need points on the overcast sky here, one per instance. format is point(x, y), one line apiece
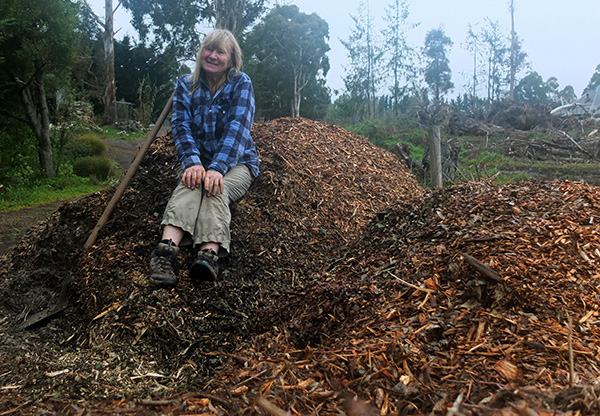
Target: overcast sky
point(561, 38)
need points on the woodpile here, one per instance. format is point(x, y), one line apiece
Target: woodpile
point(548, 142)
point(82, 113)
point(350, 290)
point(557, 146)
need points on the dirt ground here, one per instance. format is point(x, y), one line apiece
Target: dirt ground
point(14, 224)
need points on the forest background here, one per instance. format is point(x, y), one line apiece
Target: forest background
point(63, 73)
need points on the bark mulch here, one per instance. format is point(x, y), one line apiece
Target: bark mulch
point(349, 290)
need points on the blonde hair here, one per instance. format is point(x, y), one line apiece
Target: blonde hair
point(218, 38)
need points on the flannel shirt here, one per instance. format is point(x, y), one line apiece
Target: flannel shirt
point(215, 131)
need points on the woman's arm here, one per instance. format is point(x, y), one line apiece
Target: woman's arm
point(181, 122)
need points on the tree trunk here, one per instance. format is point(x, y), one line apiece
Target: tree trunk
point(513, 51)
point(474, 94)
point(229, 14)
point(435, 156)
point(44, 139)
point(110, 94)
point(300, 81)
point(38, 118)
point(296, 104)
point(296, 93)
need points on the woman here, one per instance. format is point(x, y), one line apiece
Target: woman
point(213, 112)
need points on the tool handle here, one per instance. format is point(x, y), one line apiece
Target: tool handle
point(129, 175)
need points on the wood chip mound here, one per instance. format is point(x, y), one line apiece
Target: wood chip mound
point(349, 290)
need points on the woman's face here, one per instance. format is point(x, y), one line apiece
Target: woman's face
point(216, 60)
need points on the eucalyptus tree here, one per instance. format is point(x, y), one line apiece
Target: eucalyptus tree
point(517, 63)
point(496, 50)
point(503, 58)
point(400, 55)
point(286, 57)
point(552, 91)
point(235, 15)
point(364, 76)
point(38, 41)
point(567, 95)
point(594, 81)
point(107, 32)
point(532, 89)
point(180, 24)
point(437, 70)
point(167, 22)
point(517, 56)
point(513, 51)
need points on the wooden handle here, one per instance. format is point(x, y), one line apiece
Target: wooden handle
point(129, 175)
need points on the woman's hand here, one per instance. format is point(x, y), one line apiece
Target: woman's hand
point(213, 183)
point(193, 176)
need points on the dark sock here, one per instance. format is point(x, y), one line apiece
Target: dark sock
point(169, 242)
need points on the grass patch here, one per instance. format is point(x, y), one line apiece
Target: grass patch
point(386, 133)
point(591, 167)
point(483, 164)
point(44, 191)
point(416, 152)
point(109, 132)
point(24, 190)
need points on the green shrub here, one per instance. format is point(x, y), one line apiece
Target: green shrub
point(416, 152)
point(98, 167)
point(18, 153)
point(417, 137)
point(385, 133)
point(89, 145)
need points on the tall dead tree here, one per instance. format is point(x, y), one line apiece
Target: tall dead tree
point(108, 37)
point(107, 30)
point(513, 51)
point(432, 118)
point(473, 45)
point(435, 154)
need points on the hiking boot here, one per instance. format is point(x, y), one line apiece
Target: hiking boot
point(206, 266)
point(164, 266)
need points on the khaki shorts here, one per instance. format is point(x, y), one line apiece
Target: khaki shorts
point(207, 219)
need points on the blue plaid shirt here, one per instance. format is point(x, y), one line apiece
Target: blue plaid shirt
point(215, 131)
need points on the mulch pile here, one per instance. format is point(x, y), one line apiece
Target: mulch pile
point(350, 290)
